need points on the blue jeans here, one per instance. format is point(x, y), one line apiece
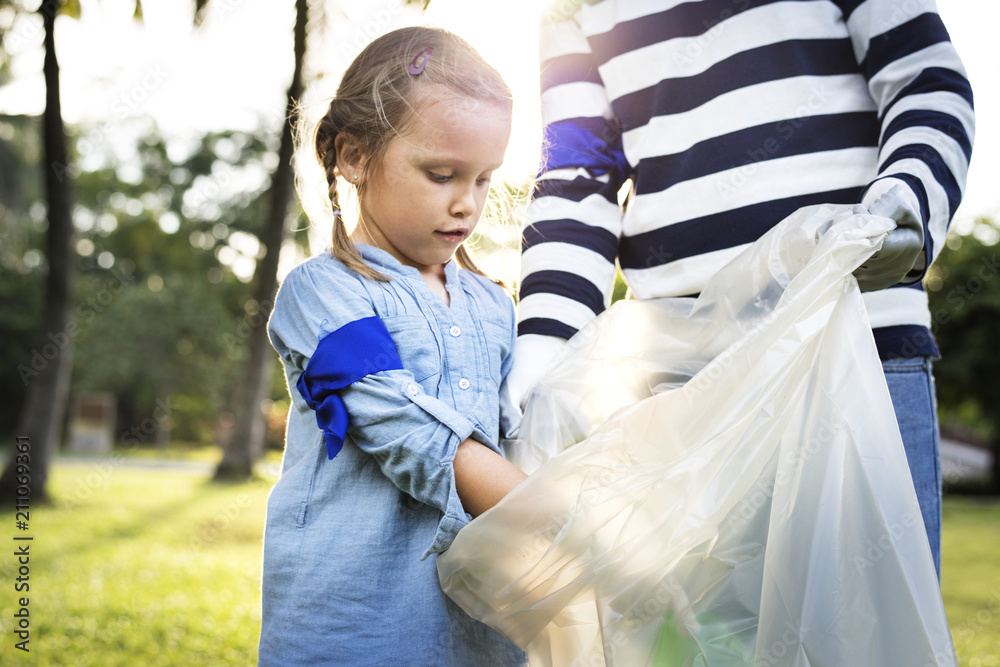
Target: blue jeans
point(911, 386)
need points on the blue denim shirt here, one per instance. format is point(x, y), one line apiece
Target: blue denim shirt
point(349, 573)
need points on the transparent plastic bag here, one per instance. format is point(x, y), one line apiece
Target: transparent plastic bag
point(716, 482)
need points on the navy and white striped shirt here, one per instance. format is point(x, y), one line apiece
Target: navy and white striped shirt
point(727, 116)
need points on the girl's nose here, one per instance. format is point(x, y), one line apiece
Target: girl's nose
point(465, 204)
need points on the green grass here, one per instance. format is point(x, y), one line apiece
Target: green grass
point(144, 567)
point(210, 454)
point(969, 579)
point(136, 567)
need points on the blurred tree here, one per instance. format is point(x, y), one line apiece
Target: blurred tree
point(48, 388)
point(8, 13)
point(964, 291)
point(247, 443)
point(162, 318)
point(163, 314)
point(20, 185)
point(47, 380)
point(156, 346)
point(22, 232)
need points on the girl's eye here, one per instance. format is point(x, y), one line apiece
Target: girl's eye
point(438, 178)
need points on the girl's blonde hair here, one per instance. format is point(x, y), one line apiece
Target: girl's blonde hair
point(374, 104)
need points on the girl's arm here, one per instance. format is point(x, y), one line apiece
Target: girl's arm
point(412, 436)
point(483, 477)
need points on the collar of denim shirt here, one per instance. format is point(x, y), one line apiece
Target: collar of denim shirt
point(385, 263)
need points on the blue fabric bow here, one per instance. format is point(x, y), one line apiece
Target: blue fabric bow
point(342, 358)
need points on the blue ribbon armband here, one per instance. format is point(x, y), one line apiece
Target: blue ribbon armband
point(570, 146)
point(343, 357)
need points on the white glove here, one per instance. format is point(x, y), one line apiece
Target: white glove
point(901, 257)
point(532, 356)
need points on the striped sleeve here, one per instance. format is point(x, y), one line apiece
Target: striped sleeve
point(925, 106)
point(573, 224)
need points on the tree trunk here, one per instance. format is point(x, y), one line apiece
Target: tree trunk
point(44, 406)
point(246, 446)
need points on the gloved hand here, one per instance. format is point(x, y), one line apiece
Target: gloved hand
point(902, 252)
point(532, 356)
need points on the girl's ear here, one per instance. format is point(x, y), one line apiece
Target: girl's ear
point(350, 157)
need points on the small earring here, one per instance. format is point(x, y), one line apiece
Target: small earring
point(355, 177)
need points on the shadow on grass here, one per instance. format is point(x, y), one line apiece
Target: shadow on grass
point(137, 507)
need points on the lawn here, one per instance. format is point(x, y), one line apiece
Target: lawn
point(146, 567)
point(970, 579)
point(140, 567)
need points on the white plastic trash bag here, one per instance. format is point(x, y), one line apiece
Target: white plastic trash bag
point(716, 482)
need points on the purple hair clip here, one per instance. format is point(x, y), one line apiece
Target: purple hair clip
point(418, 67)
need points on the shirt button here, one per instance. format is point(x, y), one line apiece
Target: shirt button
point(412, 389)
point(464, 384)
point(455, 331)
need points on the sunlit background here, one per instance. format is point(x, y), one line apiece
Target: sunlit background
point(120, 75)
point(160, 567)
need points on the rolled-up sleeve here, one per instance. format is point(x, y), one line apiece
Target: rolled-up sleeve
point(413, 437)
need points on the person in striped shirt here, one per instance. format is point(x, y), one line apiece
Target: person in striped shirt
point(722, 117)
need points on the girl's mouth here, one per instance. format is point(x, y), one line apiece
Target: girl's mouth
point(455, 236)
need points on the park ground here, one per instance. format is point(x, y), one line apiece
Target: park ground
point(141, 562)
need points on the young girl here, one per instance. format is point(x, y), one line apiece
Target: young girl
point(394, 357)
